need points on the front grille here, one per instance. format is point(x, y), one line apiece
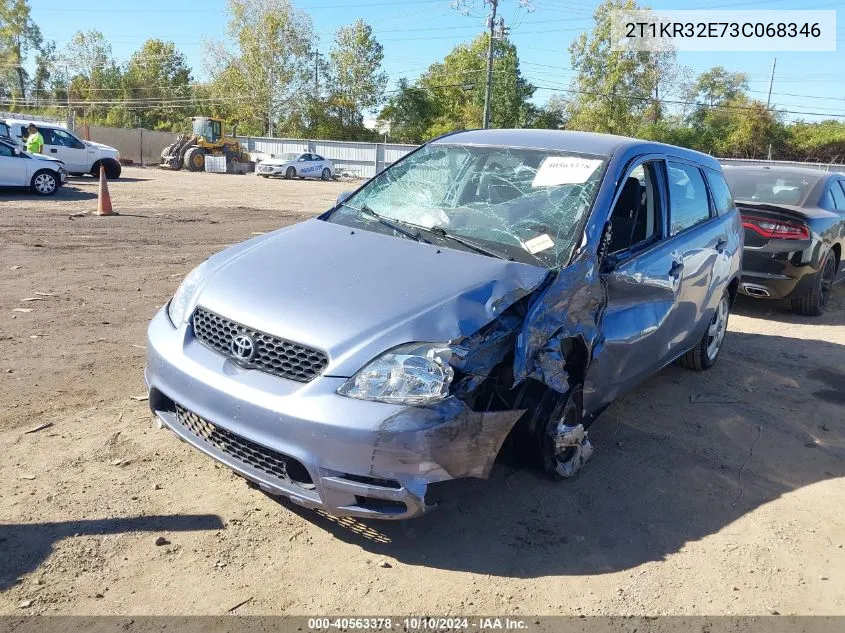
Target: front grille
point(259, 457)
point(273, 355)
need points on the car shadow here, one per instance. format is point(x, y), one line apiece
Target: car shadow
point(66, 192)
point(780, 311)
point(87, 179)
point(23, 547)
point(680, 458)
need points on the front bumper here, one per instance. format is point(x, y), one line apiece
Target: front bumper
point(363, 459)
point(269, 170)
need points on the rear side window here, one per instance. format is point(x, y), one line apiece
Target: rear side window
point(688, 201)
point(723, 199)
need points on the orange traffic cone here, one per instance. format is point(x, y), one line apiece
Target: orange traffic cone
point(103, 198)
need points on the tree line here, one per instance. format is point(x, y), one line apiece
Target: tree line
point(270, 75)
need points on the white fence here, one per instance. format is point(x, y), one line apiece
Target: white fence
point(363, 160)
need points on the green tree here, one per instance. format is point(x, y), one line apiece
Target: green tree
point(19, 36)
point(90, 74)
point(457, 87)
point(817, 142)
point(408, 113)
point(717, 85)
point(356, 78)
point(617, 90)
point(271, 65)
point(159, 73)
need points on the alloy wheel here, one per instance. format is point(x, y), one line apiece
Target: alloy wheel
point(45, 183)
point(718, 327)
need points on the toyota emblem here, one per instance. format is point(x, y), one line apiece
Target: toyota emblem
point(242, 347)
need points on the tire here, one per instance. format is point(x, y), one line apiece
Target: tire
point(195, 159)
point(706, 352)
point(570, 416)
point(326, 175)
point(290, 172)
point(264, 175)
point(113, 169)
point(814, 301)
point(44, 183)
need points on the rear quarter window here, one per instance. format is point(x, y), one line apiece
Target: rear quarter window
point(688, 201)
point(723, 199)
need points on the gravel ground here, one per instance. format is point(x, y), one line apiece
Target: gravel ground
point(714, 493)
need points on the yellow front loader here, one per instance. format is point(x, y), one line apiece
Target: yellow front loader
point(206, 139)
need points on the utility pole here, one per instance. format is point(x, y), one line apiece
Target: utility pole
point(771, 81)
point(316, 72)
point(270, 104)
point(494, 4)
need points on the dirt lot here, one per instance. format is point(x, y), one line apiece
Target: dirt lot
point(714, 493)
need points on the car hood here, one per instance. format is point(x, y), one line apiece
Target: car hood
point(47, 158)
point(355, 294)
point(100, 146)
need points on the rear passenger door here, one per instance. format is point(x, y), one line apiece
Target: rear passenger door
point(702, 243)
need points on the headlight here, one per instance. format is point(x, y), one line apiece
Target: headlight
point(416, 373)
point(178, 307)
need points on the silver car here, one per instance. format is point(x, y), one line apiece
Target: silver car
point(297, 165)
point(493, 289)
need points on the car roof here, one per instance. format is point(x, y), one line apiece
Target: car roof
point(782, 170)
point(570, 141)
point(55, 126)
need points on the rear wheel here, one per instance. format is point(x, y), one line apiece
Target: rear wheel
point(195, 159)
point(290, 173)
point(814, 301)
point(44, 183)
point(706, 352)
point(326, 175)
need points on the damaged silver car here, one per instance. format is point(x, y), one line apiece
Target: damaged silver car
point(493, 289)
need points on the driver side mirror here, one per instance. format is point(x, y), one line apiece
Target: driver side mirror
point(342, 197)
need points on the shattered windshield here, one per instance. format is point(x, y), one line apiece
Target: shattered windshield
point(521, 204)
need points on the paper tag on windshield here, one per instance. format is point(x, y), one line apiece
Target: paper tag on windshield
point(564, 170)
point(540, 243)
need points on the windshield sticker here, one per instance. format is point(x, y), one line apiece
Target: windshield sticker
point(540, 243)
point(564, 170)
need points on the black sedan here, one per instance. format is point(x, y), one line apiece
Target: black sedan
point(794, 221)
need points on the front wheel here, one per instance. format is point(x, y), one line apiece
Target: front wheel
point(706, 352)
point(814, 301)
point(326, 175)
point(290, 173)
point(195, 159)
point(44, 183)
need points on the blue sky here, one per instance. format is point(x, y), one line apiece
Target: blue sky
point(415, 33)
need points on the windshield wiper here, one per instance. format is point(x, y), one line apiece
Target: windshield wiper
point(381, 220)
point(439, 230)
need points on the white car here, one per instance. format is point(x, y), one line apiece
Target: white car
point(295, 164)
point(42, 174)
point(80, 157)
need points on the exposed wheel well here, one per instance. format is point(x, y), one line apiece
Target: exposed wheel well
point(733, 289)
point(837, 252)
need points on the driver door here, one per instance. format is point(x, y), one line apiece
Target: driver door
point(67, 148)
point(641, 279)
point(12, 168)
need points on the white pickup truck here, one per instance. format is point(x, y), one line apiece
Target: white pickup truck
point(80, 157)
